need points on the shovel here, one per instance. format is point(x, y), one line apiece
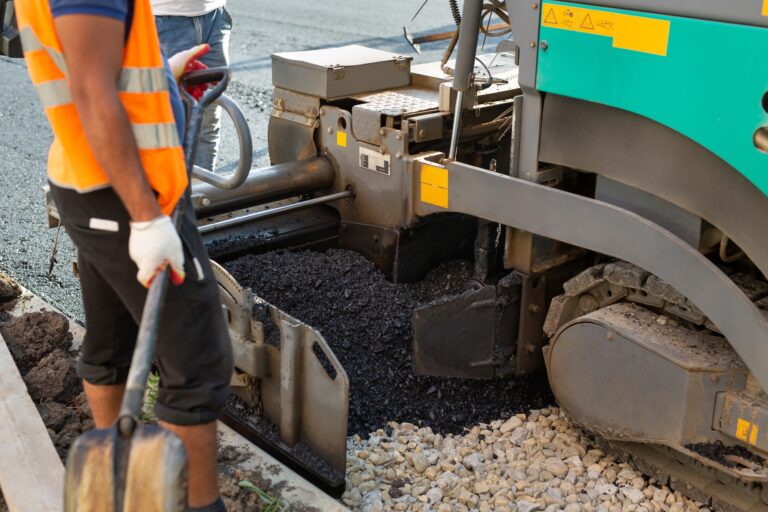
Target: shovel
point(132, 467)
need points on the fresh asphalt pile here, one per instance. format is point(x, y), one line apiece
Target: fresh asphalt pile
point(367, 322)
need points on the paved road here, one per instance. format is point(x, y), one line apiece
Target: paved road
point(261, 28)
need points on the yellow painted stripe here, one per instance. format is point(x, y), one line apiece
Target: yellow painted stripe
point(747, 431)
point(341, 138)
point(765, 7)
point(434, 185)
point(434, 195)
point(436, 176)
point(628, 32)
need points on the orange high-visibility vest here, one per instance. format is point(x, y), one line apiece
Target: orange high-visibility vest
point(143, 90)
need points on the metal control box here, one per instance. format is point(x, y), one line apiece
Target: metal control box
point(337, 72)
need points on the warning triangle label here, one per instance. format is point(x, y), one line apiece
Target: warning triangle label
point(550, 18)
point(587, 23)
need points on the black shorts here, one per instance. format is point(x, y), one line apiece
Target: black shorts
point(193, 352)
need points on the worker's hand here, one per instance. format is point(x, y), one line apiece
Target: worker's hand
point(153, 245)
point(186, 61)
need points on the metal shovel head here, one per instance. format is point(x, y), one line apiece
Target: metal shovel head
point(109, 473)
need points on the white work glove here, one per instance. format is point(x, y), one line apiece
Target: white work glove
point(153, 245)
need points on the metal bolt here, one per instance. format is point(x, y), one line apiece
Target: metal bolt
point(587, 303)
point(544, 46)
point(609, 336)
point(534, 6)
point(534, 308)
point(322, 111)
point(204, 201)
point(398, 136)
point(533, 44)
point(714, 378)
point(422, 133)
point(382, 132)
point(330, 130)
point(530, 348)
point(398, 155)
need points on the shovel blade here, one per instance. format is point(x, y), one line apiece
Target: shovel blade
point(152, 467)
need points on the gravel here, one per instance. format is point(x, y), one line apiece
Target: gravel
point(528, 462)
point(367, 322)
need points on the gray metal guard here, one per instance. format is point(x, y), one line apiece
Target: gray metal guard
point(610, 230)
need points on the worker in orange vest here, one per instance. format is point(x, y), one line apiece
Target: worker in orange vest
point(116, 170)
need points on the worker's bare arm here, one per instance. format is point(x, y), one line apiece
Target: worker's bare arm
point(93, 51)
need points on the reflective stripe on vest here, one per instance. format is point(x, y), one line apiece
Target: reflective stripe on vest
point(143, 90)
point(155, 136)
point(56, 93)
point(31, 43)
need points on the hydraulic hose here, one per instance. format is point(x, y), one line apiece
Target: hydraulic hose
point(455, 11)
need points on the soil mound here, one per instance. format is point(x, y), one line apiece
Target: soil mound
point(40, 345)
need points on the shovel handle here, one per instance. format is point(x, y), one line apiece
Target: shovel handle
point(141, 362)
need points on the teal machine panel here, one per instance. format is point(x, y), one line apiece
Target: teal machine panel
point(707, 80)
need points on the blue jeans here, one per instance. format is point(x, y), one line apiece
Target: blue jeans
point(178, 33)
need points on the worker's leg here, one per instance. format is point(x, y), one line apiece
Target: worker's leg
point(111, 334)
point(179, 33)
point(216, 26)
point(200, 442)
point(193, 352)
point(194, 357)
point(104, 402)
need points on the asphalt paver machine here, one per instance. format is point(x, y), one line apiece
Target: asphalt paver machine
point(606, 169)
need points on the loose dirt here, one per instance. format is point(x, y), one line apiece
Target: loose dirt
point(367, 321)
point(727, 455)
point(40, 345)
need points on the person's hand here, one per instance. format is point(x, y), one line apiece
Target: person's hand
point(153, 245)
point(186, 61)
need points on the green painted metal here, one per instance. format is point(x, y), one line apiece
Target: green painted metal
point(710, 87)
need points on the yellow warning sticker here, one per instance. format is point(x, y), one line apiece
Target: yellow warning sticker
point(746, 431)
point(341, 138)
point(629, 32)
point(434, 185)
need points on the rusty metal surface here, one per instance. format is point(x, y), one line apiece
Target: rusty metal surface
point(90, 483)
point(530, 335)
point(156, 480)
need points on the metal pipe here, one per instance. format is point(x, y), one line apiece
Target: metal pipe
point(291, 335)
point(265, 185)
point(237, 178)
point(236, 221)
point(456, 124)
point(465, 59)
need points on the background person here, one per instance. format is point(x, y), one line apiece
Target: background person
point(182, 24)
